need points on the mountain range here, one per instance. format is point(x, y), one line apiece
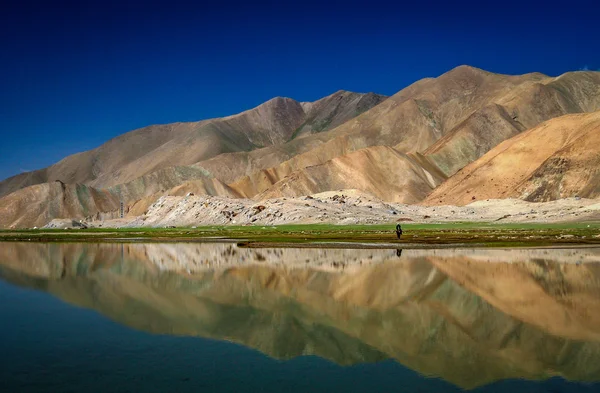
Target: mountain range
point(466, 135)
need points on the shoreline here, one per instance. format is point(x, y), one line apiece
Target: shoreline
point(444, 235)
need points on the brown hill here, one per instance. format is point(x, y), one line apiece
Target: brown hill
point(557, 159)
point(201, 186)
point(110, 157)
point(450, 315)
point(140, 152)
point(381, 171)
point(453, 119)
point(170, 181)
point(37, 205)
point(512, 112)
point(334, 110)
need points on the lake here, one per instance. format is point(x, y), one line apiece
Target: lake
point(214, 317)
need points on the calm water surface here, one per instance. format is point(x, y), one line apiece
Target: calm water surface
point(217, 318)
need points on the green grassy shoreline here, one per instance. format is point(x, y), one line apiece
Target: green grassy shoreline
point(464, 234)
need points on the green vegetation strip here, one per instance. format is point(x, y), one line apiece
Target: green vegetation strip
point(475, 234)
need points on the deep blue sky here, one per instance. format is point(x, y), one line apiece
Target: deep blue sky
point(75, 74)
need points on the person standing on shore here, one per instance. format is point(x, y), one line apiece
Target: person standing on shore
point(398, 231)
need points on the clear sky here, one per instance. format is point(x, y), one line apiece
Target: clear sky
point(75, 74)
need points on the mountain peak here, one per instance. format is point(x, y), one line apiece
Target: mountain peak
point(467, 70)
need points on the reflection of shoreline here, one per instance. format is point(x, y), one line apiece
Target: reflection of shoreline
point(437, 313)
point(197, 257)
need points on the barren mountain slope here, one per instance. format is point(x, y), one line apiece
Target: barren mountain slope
point(198, 186)
point(108, 158)
point(557, 159)
point(381, 171)
point(402, 120)
point(163, 180)
point(334, 110)
point(439, 320)
point(148, 149)
point(39, 204)
point(467, 111)
point(521, 108)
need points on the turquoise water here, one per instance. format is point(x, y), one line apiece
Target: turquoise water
point(103, 318)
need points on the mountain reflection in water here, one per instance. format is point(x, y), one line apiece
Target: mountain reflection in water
point(469, 316)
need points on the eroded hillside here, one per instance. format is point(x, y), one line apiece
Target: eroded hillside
point(453, 120)
point(140, 152)
point(557, 159)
